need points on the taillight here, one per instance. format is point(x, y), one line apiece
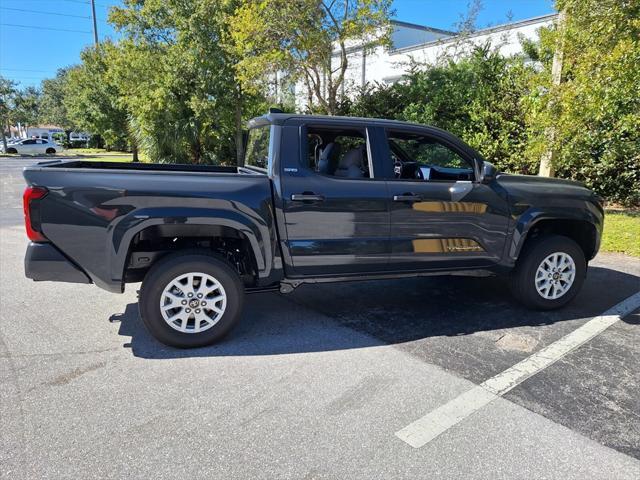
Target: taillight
point(32, 213)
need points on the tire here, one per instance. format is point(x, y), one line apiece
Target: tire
point(548, 286)
point(50, 151)
point(12, 150)
point(179, 328)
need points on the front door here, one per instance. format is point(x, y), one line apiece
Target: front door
point(335, 209)
point(28, 147)
point(441, 217)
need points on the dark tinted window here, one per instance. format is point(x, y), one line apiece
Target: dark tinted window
point(337, 152)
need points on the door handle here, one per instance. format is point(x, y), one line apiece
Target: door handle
point(407, 197)
point(307, 197)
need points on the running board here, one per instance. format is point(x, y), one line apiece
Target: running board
point(289, 285)
point(270, 288)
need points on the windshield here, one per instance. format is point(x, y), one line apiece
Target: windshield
point(257, 154)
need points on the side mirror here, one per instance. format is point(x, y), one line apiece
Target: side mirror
point(487, 172)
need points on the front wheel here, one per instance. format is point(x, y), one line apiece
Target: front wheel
point(191, 300)
point(549, 273)
point(51, 151)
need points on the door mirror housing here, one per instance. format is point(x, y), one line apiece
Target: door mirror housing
point(488, 172)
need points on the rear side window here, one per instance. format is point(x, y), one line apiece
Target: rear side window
point(338, 152)
point(257, 153)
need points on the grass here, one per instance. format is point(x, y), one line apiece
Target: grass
point(93, 154)
point(66, 156)
point(106, 158)
point(93, 151)
point(102, 155)
point(622, 232)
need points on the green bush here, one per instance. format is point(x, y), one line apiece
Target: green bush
point(504, 107)
point(481, 99)
point(598, 114)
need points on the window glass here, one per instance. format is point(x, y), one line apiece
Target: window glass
point(29, 142)
point(257, 153)
point(338, 152)
point(421, 157)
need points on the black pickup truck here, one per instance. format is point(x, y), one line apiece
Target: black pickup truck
point(317, 199)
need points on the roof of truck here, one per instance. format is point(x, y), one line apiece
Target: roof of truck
point(277, 118)
point(281, 118)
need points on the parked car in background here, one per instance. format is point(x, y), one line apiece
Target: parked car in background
point(34, 146)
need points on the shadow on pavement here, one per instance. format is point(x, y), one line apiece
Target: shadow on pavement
point(386, 312)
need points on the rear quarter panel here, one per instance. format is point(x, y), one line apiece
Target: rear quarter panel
point(91, 215)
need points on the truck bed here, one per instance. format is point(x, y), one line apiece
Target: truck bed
point(93, 210)
point(138, 166)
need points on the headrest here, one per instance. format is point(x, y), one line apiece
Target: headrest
point(353, 158)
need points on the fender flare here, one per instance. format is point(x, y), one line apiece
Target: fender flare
point(534, 216)
point(121, 234)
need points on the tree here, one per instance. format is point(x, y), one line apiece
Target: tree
point(18, 106)
point(308, 39)
point(92, 101)
point(7, 92)
point(26, 106)
point(594, 110)
point(190, 104)
point(52, 102)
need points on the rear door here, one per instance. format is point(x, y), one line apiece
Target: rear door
point(441, 217)
point(41, 146)
point(335, 201)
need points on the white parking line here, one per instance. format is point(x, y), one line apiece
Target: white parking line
point(438, 421)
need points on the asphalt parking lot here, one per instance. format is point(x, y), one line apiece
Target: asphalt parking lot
point(315, 384)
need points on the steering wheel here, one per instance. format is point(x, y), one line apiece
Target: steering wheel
point(407, 170)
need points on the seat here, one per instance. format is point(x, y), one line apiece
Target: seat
point(351, 164)
point(327, 162)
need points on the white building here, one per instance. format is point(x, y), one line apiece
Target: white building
point(425, 45)
point(45, 132)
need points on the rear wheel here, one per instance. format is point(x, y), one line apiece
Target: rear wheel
point(549, 273)
point(191, 300)
point(12, 150)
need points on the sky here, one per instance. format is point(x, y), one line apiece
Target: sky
point(39, 36)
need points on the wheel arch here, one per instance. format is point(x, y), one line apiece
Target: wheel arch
point(582, 227)
point(181, 223)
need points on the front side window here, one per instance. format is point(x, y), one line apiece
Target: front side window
point(422, 157)
point(257, 153)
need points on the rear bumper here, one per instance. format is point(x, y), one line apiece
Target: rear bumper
point(44, 262)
